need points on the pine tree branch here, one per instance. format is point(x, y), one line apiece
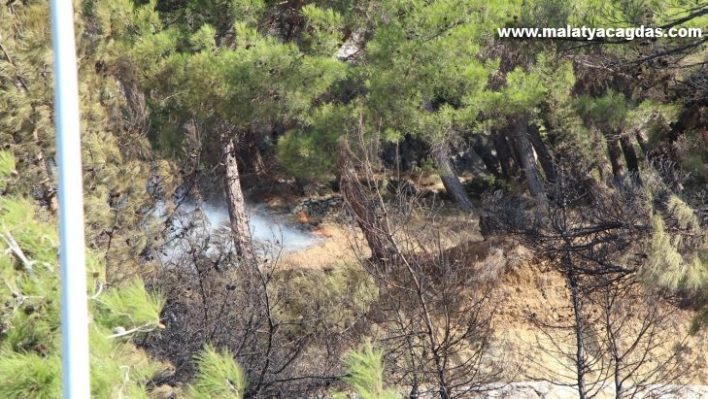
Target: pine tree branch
point(121, 331)
point(697, 13)
point(15, 249)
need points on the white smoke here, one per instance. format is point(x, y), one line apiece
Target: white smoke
point(265, 227)
point(209, 222)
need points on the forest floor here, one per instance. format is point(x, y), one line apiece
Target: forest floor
point(525, 290)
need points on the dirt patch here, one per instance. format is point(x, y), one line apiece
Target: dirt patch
point(531, 292)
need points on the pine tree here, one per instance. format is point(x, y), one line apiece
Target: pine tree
point(233, 89)
point(30, 333)
point(117, 158)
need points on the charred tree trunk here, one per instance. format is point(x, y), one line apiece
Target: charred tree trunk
point(441, 155)
point(527, 159)
point(544, 156)
point(644, 141)
point(236, 203)
point(581, 365)
point(630, 157)
point(579, 333)
point(504, 155)
point(490, 161)
point(617, 359)
point(615, 153)
point(405, 154)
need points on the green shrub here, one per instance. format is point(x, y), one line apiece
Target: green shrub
point(365, 375)
point(219, 376)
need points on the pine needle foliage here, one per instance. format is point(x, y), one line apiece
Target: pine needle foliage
point(365, 375)
point(131, 307)
point(608, 113)
point(677, 259)
point(219, 376)
point(30, 333)
point(29, 375)
point(245, 78)
point(115, 152)
point(7, 166)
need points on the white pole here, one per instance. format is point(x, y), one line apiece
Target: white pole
point(74, 306)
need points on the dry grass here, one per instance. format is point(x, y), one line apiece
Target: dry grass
point(337, 248)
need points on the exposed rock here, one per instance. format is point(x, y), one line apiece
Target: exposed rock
point(314, 209)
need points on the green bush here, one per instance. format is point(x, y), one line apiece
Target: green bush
point(366, 375)
point(219, 376)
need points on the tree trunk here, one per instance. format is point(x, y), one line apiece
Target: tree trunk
point(600, 155)
point(504, 155)
point(617, 359)
point(644, 141)
point(579, 334)
point(490, 161)
point(544, 156)
point(630, 157)
point(527, 159)
point(441, 155)
point(376, 234)
point(613, 149)
point(236, 203)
